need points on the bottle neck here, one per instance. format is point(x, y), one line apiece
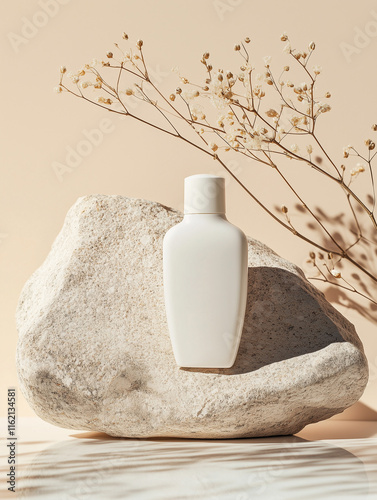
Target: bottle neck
point(192, 217)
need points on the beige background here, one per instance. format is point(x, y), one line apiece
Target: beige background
point(38, 125)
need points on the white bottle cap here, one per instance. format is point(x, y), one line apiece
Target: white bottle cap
point(204, 194)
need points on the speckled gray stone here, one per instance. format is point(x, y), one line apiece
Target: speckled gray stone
point(94, 350)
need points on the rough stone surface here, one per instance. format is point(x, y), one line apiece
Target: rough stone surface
point(94, 350)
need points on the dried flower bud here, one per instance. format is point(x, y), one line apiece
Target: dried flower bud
point(284, 37)
point(358, 169)
point(343, 167)
point(284, 209)
point(213, 146)
point(335, 273)
point(139, 44)
point(309, 149)
point(237, 47)
point(58, 89)
point(304, 55)
point(312, 255)
point(286, 68)
point(370, 144)
point(63, 69)
point(271, 113)
point(329, 255)
point(311, 46)
point(129, 91)
point(374, 126)
point(220, 77)
point(262, 94)
point(269, 82)
point(247, 40)
point(297, 90)
point(206, 55)
point(124, 36)
point(321, 256)
point(205, 88)
point(229, 75)
point(300, 98)
point(103, 100)
point(327, 95)
point(178, 90)
point(109, 55)
point(346, 151)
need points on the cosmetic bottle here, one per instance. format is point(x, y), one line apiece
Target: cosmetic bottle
point(205, 270)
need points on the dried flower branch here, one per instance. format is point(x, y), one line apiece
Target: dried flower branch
point(226, 112)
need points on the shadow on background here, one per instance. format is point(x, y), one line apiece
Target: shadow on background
point(345, 231)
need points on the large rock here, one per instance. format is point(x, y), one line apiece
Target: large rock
point(94, 350)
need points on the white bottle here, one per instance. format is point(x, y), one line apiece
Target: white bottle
point(205, 278)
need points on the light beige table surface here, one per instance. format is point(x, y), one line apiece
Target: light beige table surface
point(331, 459)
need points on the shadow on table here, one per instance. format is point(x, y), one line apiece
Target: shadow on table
point(172, 469)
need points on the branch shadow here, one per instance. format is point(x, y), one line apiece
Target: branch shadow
point(344, 230)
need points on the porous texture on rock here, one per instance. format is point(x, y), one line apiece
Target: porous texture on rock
point(94, 350)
